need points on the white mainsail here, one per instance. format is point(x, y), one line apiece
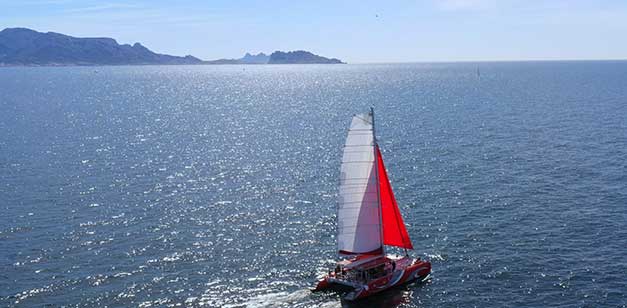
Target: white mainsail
point(359, 223)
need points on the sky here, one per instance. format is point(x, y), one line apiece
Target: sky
point(354, 31)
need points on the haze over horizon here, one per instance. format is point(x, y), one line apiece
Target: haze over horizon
point(354, 31)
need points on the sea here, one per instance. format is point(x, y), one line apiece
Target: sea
point(217, 186)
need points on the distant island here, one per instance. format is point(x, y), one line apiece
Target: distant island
point(260, 58)
point(26, 47)
point(300, 57)
point(279, 57)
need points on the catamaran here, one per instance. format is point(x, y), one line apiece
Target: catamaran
point(368, 219)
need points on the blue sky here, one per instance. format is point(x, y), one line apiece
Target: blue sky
point(355, 31)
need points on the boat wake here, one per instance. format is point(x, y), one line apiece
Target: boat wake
point(283, 299)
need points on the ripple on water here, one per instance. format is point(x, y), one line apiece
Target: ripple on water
point(213, 186)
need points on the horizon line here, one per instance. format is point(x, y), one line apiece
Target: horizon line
point(312, 64)
point(496, 61)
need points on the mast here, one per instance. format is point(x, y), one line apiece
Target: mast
point(376, 163)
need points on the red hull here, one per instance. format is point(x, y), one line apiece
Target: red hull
point(407, 271)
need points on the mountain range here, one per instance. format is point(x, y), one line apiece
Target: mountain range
point(22, 46)
point(279, 57)
point(260, 58)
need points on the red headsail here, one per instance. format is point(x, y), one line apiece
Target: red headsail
point(394, 232)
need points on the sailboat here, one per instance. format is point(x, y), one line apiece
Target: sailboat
point(368, 220)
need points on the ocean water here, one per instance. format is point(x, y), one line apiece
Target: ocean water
point(216, 186)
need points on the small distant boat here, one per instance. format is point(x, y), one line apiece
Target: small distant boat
point(368, 219)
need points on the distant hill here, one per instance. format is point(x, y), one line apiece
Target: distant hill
point(260, 58)
point(21, 46)
point(279, 57)
point(300, 57)
point(223, 61)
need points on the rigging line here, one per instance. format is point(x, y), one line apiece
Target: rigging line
point(356, 202)
point(358, 192)
point(357, 145)
point(354, 179)
point(367, 204)
point(357, 116)
point(355, 227)
point(357, 162)
point(355, 186)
